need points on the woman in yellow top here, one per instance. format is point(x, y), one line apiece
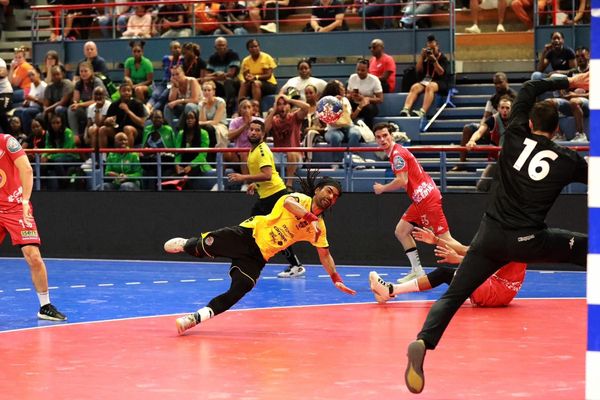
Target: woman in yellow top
point(256, 73)
point(296, 217)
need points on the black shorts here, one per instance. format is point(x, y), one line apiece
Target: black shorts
point(236, 243)
point(265, 206)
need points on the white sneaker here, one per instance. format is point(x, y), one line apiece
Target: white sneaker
point(244, 188)
point(186, 322)
point(175, 245)
point(87, 165)
point(215, 188)
point(473, 29)
point(271, 27)
point(500, 28)
point(579, 137)
point(410, 276)
point(380, 288)
point(292, 272)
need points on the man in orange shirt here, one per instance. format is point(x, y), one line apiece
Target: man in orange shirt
point(18, 74)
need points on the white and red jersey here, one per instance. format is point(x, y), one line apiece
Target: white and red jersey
point(420, 186)
point(499, 289)
point(11, 189)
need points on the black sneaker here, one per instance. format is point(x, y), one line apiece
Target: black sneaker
point(50, 313)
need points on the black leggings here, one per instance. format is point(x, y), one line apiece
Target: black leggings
point(240, 285)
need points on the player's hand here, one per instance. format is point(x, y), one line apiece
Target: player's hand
point(235, 177)
point(27, 217)
point(341, 286)
point(251, 189)
point(123, 106)
point(424, 235)
point(447, 255)
point(471, 144)
point(378, 188)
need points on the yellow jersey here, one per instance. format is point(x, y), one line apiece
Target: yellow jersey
point(261, 156)
point(280, 229)
point(264, 61)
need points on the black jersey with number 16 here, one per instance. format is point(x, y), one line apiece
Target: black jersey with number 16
point(533, 169)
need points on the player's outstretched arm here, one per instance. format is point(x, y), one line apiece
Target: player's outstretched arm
point(329, 265)
point(399, 182)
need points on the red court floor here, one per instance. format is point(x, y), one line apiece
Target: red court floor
point(533, 349)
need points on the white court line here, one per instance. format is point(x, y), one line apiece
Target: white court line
point(158, 282)
point(352, 275)
point(187, 280)
point(323, 276)
point(77, 286)
point(268, 277)
point(214, 279)
point(546, 272)
point(106, 284)
point(133, 283)
point(52, 287)
point(23, 290)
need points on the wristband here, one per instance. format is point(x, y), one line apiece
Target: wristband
point(25, 201)
point(335, 277)
point(310, 217)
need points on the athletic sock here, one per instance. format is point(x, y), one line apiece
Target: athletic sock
point(44, 298)
point(415, 262)
point(204, 314)
point(406, 287)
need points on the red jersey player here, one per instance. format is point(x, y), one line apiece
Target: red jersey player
point(16, 217)
point(497, 291)
point(426, 209)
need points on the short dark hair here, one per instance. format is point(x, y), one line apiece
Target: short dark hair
point(249, 42)
point(431, 38)
point(544, 116)
point(135, 43)
point(506, 98)
point(381, 125)
point(363, 61)
point(304, 61)
point(258, 122)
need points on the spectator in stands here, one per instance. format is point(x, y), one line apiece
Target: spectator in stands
point(96, 114)
point(173, 21)
point(50, 60)
point(6, 95)
point(285, 125)
point(34, 101)
point(375, 9)
point(256, 75)
point(327, 16)
point(18, 73)
point(16, 131)
point(343, 130)
point(193, 64)
point(576, 12)
point(213, 115)
point(364, 93)
point(555, 55)
point(126, 115)
point(493, 130)
point(83, 97)
point(139, 24)
point(383, 66)
point(232, 17)
point(58, 94)
point(184, 95)
point(263, 14)
point(158, 135)
point(576, 103)
point(192, 164)
point(519, 8)
point(122, 169)
point(432, 67)
point(58, 137)
point(475, 5)
point(37, 139)
point(90, 52)
point(120, 13)
point(140, 70)
point(312, 127)
point(223, 69)
point(415, 16)
point(238, 133)
point(160, 91)
point(491, 107)
point(78, 21)
point(304, 79)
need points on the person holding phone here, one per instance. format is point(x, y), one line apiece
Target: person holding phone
point(365, 93)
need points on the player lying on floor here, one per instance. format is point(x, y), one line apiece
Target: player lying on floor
point(497, 291)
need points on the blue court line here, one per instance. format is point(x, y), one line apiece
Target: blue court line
point(94, 290)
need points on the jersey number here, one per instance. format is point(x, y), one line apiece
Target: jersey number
point(538, 167)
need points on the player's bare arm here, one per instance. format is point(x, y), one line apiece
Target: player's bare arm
point(398, 183)
point(329, 265)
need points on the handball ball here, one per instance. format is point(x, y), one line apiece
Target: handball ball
point(329, 109)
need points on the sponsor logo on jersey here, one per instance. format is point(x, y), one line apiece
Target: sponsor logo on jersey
point(29, 234)
point(398, 162)
point(13, 145)
point(209, 240)
point(525, 238)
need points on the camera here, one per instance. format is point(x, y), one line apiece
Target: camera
point(428, 51)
